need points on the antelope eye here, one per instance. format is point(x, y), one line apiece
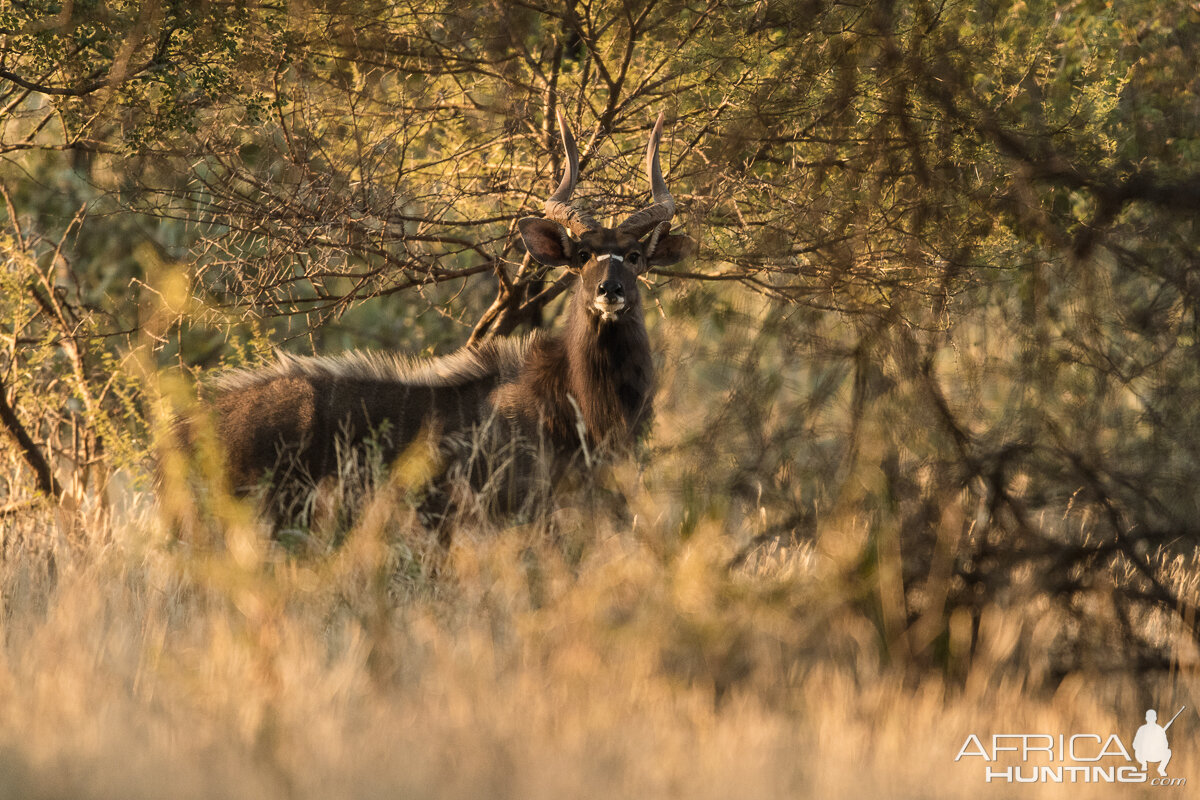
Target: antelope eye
point(634, 257)
point(584, 256)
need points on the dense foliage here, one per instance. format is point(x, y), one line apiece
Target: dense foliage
point(948, 280)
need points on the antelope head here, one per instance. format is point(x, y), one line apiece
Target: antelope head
point(607, 260)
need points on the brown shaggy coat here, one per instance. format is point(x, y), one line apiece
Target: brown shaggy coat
point(586, 390)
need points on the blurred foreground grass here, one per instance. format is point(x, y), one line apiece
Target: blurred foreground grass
point(557, 659)
point(850, 653)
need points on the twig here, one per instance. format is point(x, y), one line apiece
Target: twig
point(33, 456)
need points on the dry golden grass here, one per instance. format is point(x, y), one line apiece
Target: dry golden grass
point(569, 657)
point(592, 663)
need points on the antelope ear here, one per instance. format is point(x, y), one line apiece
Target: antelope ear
point(672, 248)
point(546, 240)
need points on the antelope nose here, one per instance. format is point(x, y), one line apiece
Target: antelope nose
point(610, 289)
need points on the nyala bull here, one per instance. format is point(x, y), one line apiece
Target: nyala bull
point(500, 415)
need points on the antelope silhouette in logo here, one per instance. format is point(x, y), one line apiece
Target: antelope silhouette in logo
point(496, 413)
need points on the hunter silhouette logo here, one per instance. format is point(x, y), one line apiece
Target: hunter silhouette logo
point(1082, 757)
point(1150, 742)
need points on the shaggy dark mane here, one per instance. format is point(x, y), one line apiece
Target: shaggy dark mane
point(501, 358)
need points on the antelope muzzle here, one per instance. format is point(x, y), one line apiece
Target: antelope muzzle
point(610, 299)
